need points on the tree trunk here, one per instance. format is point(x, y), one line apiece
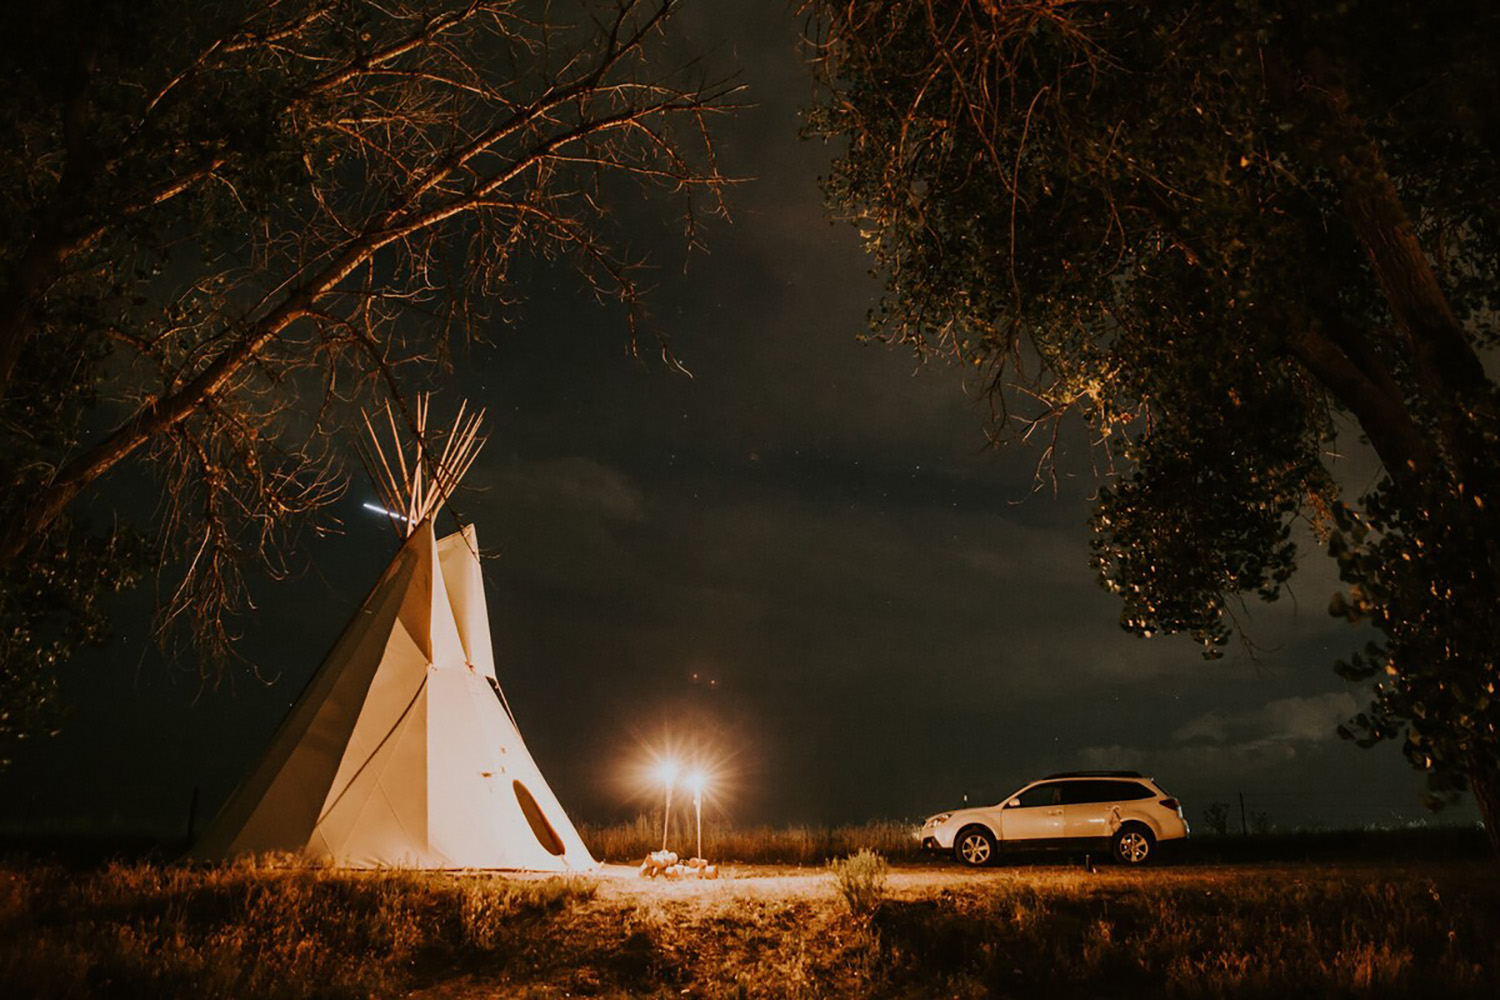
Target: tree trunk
point(1485, 784)
point(1447, 369)
point(1382, 414)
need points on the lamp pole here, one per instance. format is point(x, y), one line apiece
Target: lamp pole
point(668, 773)
point(696, 781)
point(666, 817)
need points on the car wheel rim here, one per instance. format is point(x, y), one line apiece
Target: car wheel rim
point(1134, 847)
point(976, 850)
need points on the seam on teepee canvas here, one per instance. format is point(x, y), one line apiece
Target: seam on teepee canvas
point(388, 733)
point(425, 839)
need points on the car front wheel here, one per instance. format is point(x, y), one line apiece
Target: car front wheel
point(974, 846)
point(1134, 845)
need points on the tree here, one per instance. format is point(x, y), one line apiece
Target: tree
point(1217, 233)
point(224, 224)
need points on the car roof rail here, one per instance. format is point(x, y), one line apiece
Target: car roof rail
point(1094, 774)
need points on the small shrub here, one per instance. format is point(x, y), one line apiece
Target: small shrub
point(861, 879)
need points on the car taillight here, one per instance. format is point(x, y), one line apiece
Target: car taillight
point(1172, 804)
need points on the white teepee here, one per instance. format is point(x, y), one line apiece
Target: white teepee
point(402, 750)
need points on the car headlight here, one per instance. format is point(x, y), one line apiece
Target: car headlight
point(938, 819)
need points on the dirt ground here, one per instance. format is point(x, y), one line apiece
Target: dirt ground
point(624, 884)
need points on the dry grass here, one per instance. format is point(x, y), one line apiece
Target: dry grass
point(1416, 930)
point(626, 843)
point(254, 930)
point(1196, 932)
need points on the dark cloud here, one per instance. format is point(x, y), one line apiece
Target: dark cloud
point(1302, 719)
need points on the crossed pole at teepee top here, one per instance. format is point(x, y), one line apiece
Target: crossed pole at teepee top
point(416, 490)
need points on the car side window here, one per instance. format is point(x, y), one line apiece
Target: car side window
point(1041, 795)
point(1078, 793)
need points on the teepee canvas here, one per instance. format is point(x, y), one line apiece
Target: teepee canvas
point(402, 750)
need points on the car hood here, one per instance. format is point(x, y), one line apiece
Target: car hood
point(954, 815)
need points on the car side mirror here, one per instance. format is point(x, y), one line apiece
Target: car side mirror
point(1013, 804)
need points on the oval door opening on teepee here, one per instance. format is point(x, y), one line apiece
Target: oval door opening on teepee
point(395, 752)
point(545, 835)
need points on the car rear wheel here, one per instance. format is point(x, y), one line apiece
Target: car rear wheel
point(974, 846)
point(1133, 844)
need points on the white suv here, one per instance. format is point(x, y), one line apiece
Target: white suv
point(1121, 811)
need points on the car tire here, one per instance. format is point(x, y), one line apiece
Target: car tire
point(1133, 844)
point(974, 847)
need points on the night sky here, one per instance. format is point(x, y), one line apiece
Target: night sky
point(881, 615)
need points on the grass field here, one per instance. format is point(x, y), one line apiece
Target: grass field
point(1420, 924)
point(765, 845)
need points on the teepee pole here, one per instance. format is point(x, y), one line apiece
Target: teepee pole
point(422, 486)
point(442, 461)
point(382, 491)
point(386, 484)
